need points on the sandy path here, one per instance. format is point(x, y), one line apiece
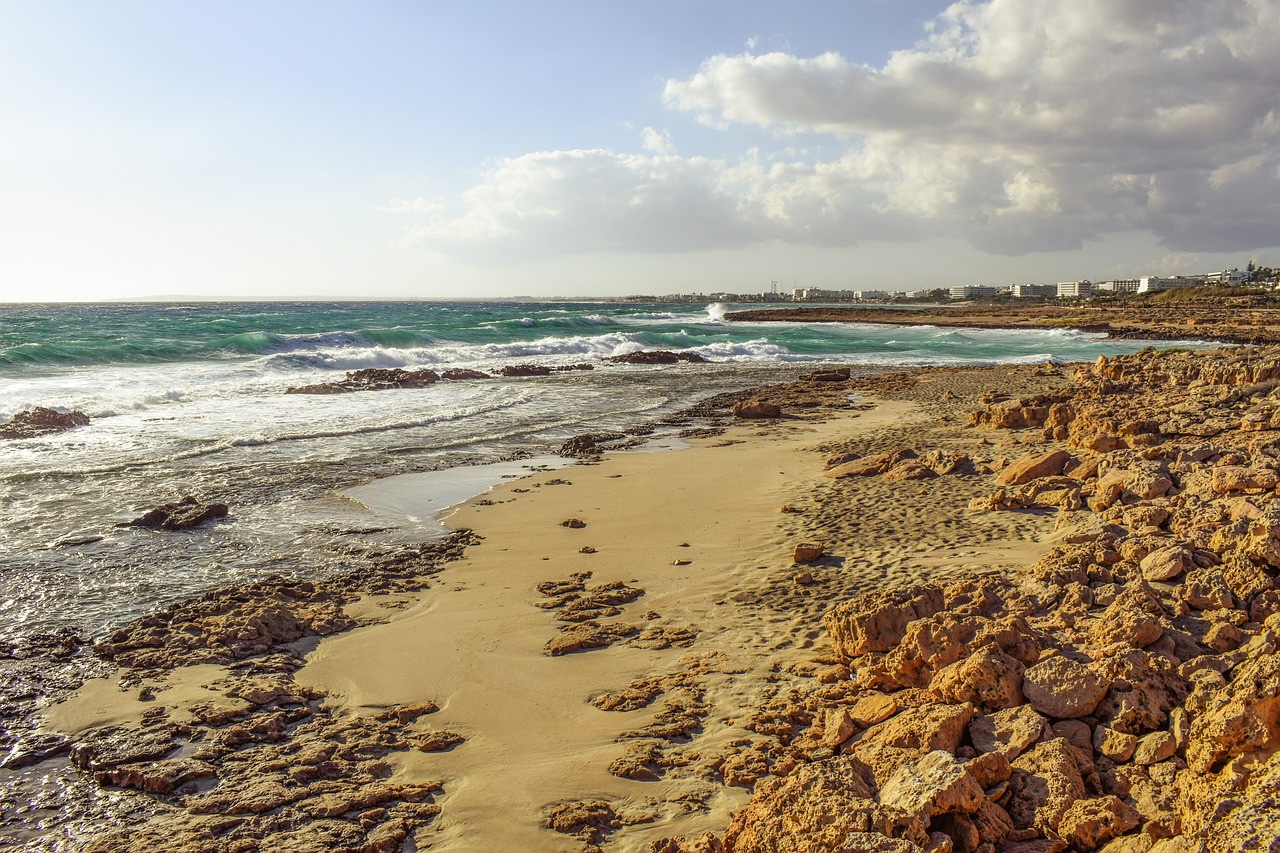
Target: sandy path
point(475, 643)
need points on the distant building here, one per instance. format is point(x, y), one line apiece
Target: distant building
point(1033, 291)
point(1074, 289)
point(1155, 283)
point(1228, 277)
point(1120, 285)
point(870, 295)
point(974, 291)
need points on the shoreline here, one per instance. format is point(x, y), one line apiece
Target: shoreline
point(1175, 322)
point(740, 678)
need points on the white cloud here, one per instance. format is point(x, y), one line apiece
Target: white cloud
point(417, 205)
point(657, 142)
point(1015, 125)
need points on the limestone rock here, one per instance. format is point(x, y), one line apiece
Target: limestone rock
point(931, 785)
point(1167, 563)
point(1153, 748)
point(877, 621)
point(182, 515)
point(807, 553)
point(1009, 732)
point(1045, 782)
point(1114, 745)
point(756, 410)
point(1061, 688)
point(988, 678)
point(41, 421)
point(1034, 467)
point(1089, 823)
point(1237, 478)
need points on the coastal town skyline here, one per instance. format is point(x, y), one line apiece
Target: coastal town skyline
point(396, 151)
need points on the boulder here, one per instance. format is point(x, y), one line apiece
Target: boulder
point(807, 553)
point(877, 621)
point(1237, 478)
point(1045, 783)
point(933, 784)
point(1153, 748)
point(183, 515)
point(372, 379)
point(1086, 824)
point(1114, 745)
point(41, 421)
point(656, 357)
point(1009, 732)
point(1166, 563)
point(867, 466)
point(756, 410)
point(1034, 467)
point(1062, 688)
point(988, 678)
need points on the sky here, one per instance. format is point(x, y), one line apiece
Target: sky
point(326, 149)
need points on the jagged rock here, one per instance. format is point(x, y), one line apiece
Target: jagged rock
point(1167, 563)
point(1237, 478)
point(756, 409)
point(372, 379)
point(1061, 688)
point(459, 374)
point(1153, 748)
point(183, 515)
point(657, 357)
point(1044, 784)
point(1114, 745)
point(1132, 618)
point(867, 466)
point(1009, 732)
point(877, 621)
point(828, 806)
point(988, 678)
point(910, 469)
point(518, 370)
point(1034, 467)
point(933, 784)
point(1089, 823)
point(41, 421)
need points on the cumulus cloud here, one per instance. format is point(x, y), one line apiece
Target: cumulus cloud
point(1017, 125)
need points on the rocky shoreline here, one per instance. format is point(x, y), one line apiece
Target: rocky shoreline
point(1119, 693)
point(1239, 320)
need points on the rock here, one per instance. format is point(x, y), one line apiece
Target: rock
point(41, 421)
point(933, 784)
point(656, 357)
point(1153, 748)
point(1167, 563)
point(372, 379)
point(573, 523)
point(518, 370)
point(1044, 784)
point(756, 409)
point(924, 728)
point(1132, 618)
point(807, 553)
point(459, 374)
point(1031, 468)
point(840, 375)
point(585, 636)
point(873, 708)
point(828, 805)
point(1088, 823)
point(910, 469)
point(1008, 732)
point(1237, 478)
point(1061, 688)
point(988, 678)
point(183, 515)
point(877, 621)
point(867, 466)
point(1114, 745)
point(838, 729)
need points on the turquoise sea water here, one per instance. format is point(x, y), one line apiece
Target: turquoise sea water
point(188, 399)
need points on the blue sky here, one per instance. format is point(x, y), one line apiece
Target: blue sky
point(487, 149)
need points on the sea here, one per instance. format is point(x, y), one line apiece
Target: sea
point(188, 399)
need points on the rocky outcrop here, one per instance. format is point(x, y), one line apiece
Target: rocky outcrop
point(656, 357)
point(41, 421)
point(372, 379)
point(182, 515)
point(1123, 693)
point(756, 410)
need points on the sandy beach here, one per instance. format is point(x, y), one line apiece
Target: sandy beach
point(628, 648)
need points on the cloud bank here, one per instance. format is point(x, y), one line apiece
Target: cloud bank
point(1016, 125)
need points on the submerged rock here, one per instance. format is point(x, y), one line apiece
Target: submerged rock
point(656, 357)
point(183, 515)
point(41, 421)
point(372, 379)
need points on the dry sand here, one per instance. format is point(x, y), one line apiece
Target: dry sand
point(701, 532)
